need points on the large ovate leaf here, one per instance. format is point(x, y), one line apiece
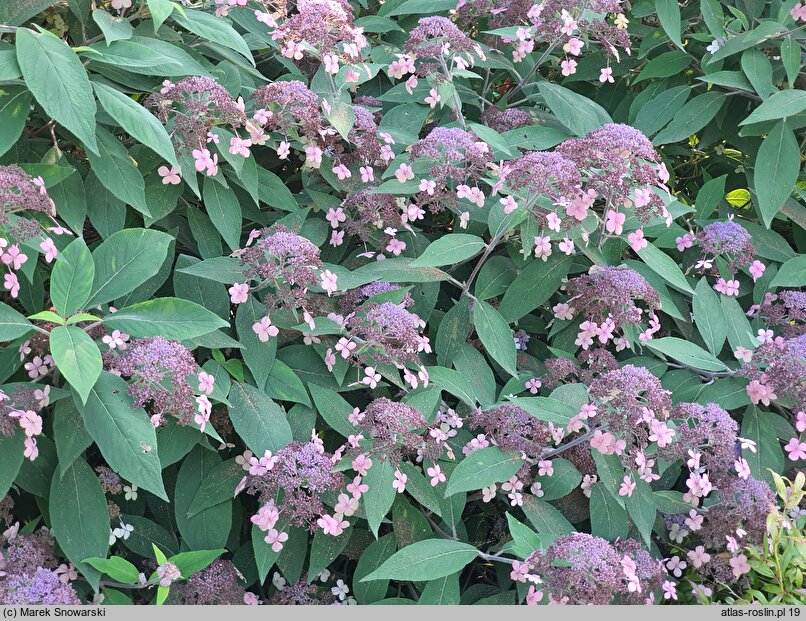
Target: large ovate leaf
point(482, 468)
point(257, 419)
point(449, 249)
point(59, 83)
point(425, 560)
point(71, 279)
point(126, 260)
point(776, 170)
point(171, 318)
point(124, 433)
point(495, 335)
point(80, 517)
point(77, 358)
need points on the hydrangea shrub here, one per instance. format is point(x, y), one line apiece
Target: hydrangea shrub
point(475, 302)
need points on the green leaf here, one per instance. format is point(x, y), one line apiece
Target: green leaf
point(381, 495)
point(71, 279)
point(136, 120)
point(59, 82)
point(442, 591)
point(69, 434)
point(566, 479)
point(116, 171)
point(692, 117)
point(160, 11)
point(259, 421)
point(80, 517)
point(548, 409)
point(148, 56)
point(641, 508)
point(342, 117)
point(534, 286)
point(576, 112)
point(209, 530)
point(453, 382)
point(370, 591)
point(758, 69)
point(15, 104)
point(669, 16)
point(258, 356)
point(671, 502)
point(224, 210)
point(12, 324)
point(778, 106)
point(664, 66)
point(126, 260)
point(791, 274)
point(324, 550)
point(114, 28)
point(710, 196)
point(449, 249)
point(739, 330)
point(121, 431)
point(220, 269)
point(708, 316)
point(483, 468)
point(524, 539)
point(265, 557)
point(334, 409)
point(608, 517)
point(759, 426)
point(790, 57)
point(776, 170)
point(217, 487)
point(545, 517)
point(11, 456)
point(189, 563)
point(274, 192)
point(117, 568)
point(686, 352)
point(495, 335)
point(77, 357)
point(170, 318)
point(665, 267)
point(661, 109)
point(425, 560)
point(215, 29)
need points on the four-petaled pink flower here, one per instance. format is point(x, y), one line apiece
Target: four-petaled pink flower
point(727, 287)
point(756, 270)
point(637, 240)
point(400, 481)
point(739, 565)
point(627, 487)
point(698, 556)
point(49, 248)
point(206, 382)
point(404, 173)
point(14, 257)
point(760, 393)
point(433, 98)
point(606, 75)
point(796, 450)
point(264, 329)
point(169, 175)
point(614, 222)
point(569, 67)
point(329, 281)
point(436, 474)
point(276, 539)
point(362, 464)
point(116, 339)
point(239, 293)
point(332, 525)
